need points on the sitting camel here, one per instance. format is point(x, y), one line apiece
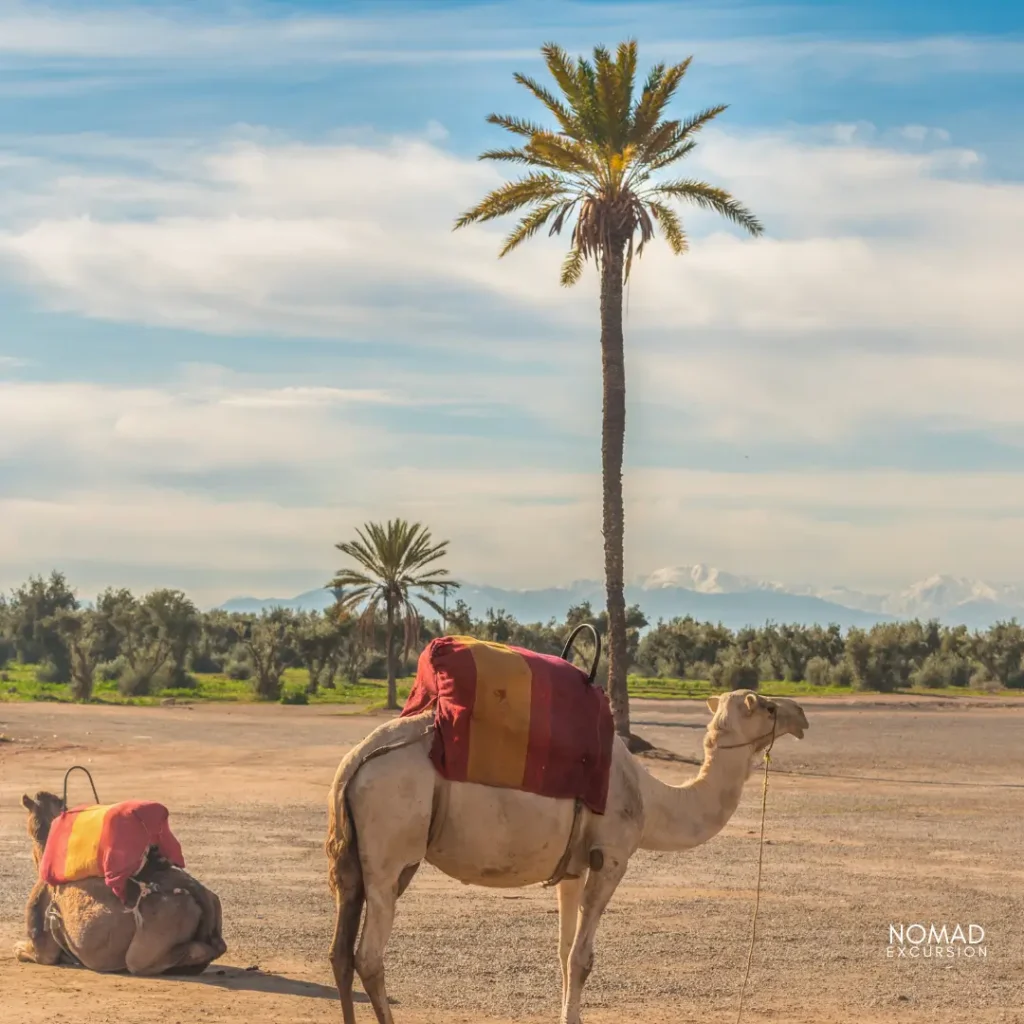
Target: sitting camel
point(175, 925)
point(389, 810)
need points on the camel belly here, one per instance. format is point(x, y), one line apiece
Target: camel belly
point(485, 835)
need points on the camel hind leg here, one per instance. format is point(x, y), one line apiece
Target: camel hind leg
point(390, 804)
point(165, 937)
point(346, 880)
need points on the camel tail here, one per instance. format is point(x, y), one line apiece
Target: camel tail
point(345, 879)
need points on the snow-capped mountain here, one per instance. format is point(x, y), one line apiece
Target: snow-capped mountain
point(704, 579)
point(708, 593)
point(938, 595)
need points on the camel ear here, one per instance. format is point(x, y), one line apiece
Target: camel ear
point(713, 704)
point(751, 701)
point(29, 804)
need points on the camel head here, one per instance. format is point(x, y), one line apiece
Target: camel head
point(744, 717)
point(41, 814)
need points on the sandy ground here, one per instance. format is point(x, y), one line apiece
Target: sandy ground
point(935, 836)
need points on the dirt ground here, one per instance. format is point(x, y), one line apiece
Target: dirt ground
point(934, 836)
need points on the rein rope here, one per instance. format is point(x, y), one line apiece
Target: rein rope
point(760, 862)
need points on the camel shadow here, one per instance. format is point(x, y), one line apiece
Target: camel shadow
point(237, 979)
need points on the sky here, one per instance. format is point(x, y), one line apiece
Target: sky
point(236, 323)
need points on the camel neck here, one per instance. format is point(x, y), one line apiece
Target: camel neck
point(682, 817)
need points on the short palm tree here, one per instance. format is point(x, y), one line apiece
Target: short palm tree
point(395, 562)
point(601, 168)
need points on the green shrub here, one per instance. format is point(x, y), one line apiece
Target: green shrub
point(208, 663)
point(734, 672)
point(111, 671)
point(941, 670)
point(843, 675)
point(818, 672)
point(238, 670)
point(294, 697)
point(48, 672)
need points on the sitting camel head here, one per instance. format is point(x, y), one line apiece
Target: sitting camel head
point(743, 718)
point(41, 814)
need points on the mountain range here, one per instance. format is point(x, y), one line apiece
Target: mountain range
point(715, 595)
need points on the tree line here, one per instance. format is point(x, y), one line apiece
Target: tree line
point(161, 640)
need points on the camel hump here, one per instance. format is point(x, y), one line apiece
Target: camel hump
point(393, 735)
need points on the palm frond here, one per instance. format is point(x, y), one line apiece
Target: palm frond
point(656, 96)
point(671, 155)
point(513, 196)
point(564, 115)
point(671, 134)
point(563, 72)
point(515, 156)
point(516, 125)
point(709, 197)
point(565, 154)
point(530, 225)
point(572, 267)
point(625, 73)
point(671, 226)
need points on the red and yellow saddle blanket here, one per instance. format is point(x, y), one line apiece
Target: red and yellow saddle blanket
point(508, 717)
point(109, 842)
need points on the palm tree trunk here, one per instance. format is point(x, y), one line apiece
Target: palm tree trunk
point(392, 687)
point(613, 433)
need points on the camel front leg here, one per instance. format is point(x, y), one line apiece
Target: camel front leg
point(40, 947)
point(570, 893)
point(599, 889)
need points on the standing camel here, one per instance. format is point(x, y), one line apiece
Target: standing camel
point(389, 810)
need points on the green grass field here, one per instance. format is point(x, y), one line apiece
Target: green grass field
point(19, 683)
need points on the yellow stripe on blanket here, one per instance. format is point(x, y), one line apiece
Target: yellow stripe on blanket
point(500, 736)
point(84, 845)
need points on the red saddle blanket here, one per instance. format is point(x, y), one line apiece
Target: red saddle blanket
point(508, 717)
point(109, 842)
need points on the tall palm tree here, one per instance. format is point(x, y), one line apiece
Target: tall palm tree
point(601, 167)
point(395, 562)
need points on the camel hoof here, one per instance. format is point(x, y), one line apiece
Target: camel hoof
point(23, 952)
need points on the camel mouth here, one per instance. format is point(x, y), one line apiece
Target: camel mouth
point(791, 718)
point(799, 725)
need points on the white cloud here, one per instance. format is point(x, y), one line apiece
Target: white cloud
point(829, 396)
point(339, 239)
point(120, 432)
point(531, 528)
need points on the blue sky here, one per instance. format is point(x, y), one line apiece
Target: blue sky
point(236, 323)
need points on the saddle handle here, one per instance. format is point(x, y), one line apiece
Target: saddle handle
point(88, 775)
point(567, 649)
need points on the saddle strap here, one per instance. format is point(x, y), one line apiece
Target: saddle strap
point(53, 918)
point(562, 868)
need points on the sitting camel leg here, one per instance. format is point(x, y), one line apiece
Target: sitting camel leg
point(164, 937)
point(570, 892)
point(40, 947)
point(599, 888)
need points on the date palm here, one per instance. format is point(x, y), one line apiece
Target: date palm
point(601, 172)
point(395, 563)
